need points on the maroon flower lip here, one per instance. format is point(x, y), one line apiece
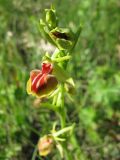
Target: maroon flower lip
point(61, 35)
point(39, 77)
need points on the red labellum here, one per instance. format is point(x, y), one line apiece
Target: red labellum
point(39, 78)
point(47, 68)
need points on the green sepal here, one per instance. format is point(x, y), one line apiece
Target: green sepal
point(70, 86)
point(63, 37)
point(60, 73)
point(59, 100)
point(44, 30)
point(64, 44)
point(77, 34)
point(51, 18)
point(60, 149)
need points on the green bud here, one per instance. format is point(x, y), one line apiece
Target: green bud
point(45, 145)
point(51, 18)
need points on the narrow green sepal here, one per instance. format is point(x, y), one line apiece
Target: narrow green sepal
point(45, 31)
point(77, 34)
point(60, 73)
point(51, 18)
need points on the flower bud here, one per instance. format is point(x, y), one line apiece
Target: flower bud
point(51, 18)
point(45, 145)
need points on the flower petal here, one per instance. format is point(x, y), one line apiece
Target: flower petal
point(34, 73)
point(47, 88)
point(34, 86)
point(28, 88)
point(42, 81)
point(45, 145)
point(47, 68)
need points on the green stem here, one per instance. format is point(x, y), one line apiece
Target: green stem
point(34, 153)
point(62, 119)
point(68, 155)
point(62, 109)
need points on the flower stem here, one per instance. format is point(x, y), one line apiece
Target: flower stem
point(68, 156)
point(34, 153)
point(62, 109)
point(62, 119)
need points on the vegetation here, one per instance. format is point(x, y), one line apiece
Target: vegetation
point(95, 64)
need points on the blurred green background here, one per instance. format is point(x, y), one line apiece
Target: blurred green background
point(95, 68)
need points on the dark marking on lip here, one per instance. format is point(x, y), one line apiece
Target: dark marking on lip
point(61, 35)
